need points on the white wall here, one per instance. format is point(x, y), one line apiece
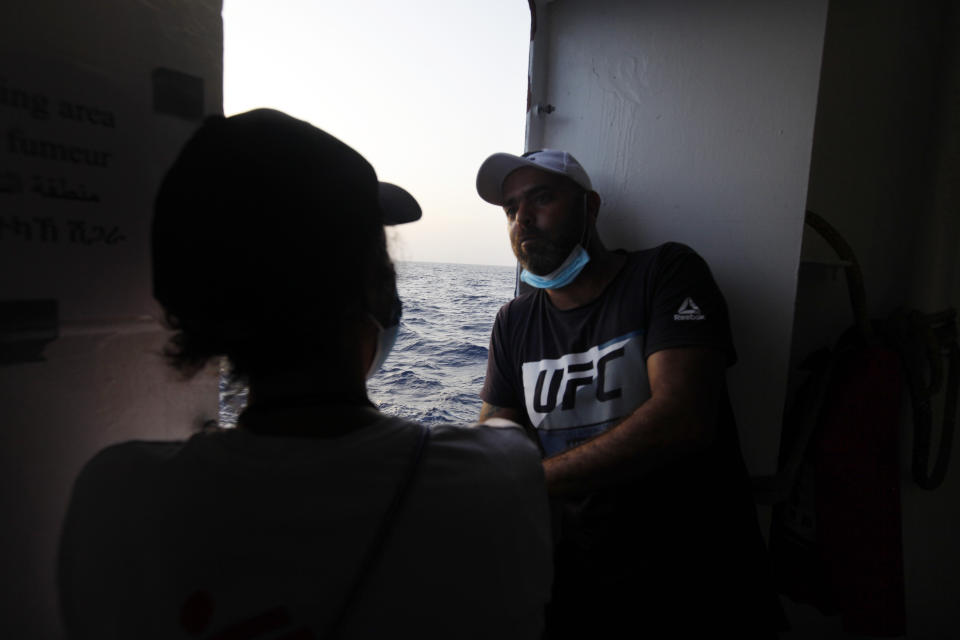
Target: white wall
point(695, 122)
point(81, 75)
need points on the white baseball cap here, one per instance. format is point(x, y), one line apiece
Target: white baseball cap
point(497, 167)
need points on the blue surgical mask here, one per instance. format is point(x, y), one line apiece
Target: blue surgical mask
point(562, 275)
point(386, 337)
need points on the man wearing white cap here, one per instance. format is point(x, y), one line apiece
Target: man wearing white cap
point(616, 362)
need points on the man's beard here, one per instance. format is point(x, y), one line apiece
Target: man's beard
point(546, 255)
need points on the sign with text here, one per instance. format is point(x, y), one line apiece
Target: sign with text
point(77, 183)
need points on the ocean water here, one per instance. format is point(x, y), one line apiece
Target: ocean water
point(437, 366)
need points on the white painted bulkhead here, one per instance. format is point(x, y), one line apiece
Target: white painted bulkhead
point(96, 99)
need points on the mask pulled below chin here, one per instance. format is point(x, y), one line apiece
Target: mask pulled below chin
point(563, 275)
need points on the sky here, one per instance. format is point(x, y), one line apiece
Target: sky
point(424, 89)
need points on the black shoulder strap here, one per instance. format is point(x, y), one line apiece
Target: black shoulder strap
point(374, 552)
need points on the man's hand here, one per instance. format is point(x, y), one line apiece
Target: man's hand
point(488, 411)
point(491, 412)
point(679, 418)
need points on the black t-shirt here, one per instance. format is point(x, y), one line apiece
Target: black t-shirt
point(577, 372)
point(689, 528)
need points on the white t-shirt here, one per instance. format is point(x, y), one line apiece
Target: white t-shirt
point(263, 535)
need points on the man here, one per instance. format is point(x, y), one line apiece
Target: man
point(616, 362)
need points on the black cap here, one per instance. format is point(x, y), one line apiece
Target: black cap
point(264, 205)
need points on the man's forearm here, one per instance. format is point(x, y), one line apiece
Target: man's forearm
point(678, 419)
point(650, 438)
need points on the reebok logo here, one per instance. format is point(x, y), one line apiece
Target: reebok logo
point(689, 311)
